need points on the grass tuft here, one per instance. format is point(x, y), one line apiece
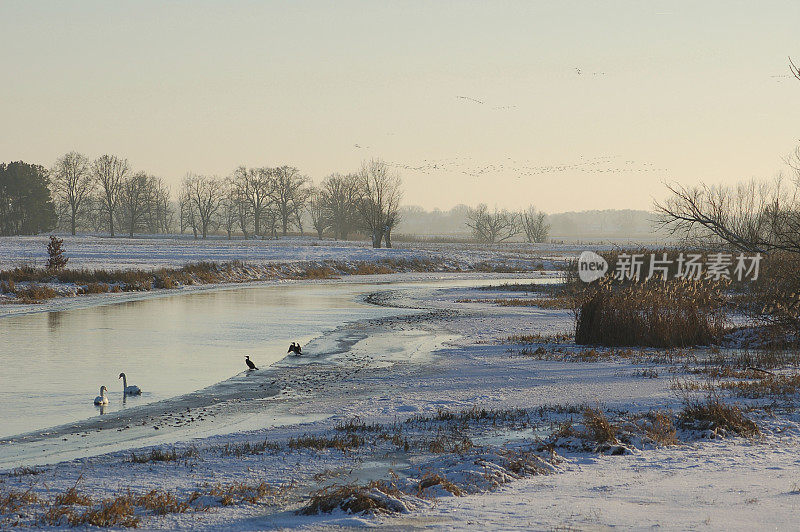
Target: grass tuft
point(713, 414)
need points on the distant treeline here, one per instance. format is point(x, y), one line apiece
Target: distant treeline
point(104, 195)
point(593, 224)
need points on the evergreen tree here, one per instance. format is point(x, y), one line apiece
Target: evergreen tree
point(26, 207)
point(55, 251)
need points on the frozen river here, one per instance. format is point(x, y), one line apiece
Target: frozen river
point(53, 363)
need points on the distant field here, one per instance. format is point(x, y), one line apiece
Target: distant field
point(175, 251)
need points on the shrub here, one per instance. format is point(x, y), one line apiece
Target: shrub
point(35, 293)
point(95, 288)
point(656, 314)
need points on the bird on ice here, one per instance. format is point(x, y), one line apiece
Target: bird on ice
point(250, 365)
point(295, 348)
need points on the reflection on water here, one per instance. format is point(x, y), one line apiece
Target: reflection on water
point(53, 363)
point(54, 320)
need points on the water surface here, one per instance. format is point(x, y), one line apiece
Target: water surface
point(53, 363)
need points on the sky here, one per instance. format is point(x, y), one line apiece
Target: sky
point(563, 105)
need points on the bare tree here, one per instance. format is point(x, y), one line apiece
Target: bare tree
point(204, 195)
point(533, 225)
point(159, 213)
point(229, 206)
point(289, 193)
point(754, 217)
point(794, 69)
point(188, 217)
point(254, 185)
point(340, 196)
point(379, 198)
point(392, 219)
point(134, 199)
point(72, 184)
point(109, 173)
point(318, 212)
point(492, 226)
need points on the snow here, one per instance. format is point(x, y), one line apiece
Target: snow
point(400, 372)
point(95, 252)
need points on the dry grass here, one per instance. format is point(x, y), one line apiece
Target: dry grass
point(163, 502)
point(548, 303)
point(116, 512)
point(342, 443)
point(767, 386)
point(71, 497)
point(435, 479)
point(317, 272)
point(445, 442)
point(244, 449)
point(538, 338)
point(655, 314)
point(160, 455)
point(35, 293)
point(238, 492)
point(713, 414)
point(14, 500)
point(95, 288)
point(658, 426)
point(598, 428)
point(374, 498)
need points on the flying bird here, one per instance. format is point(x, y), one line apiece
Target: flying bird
point(250, 365)
point(471, 99)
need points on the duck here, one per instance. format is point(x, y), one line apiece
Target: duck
point(101, 399)
point(129, 390)
point(295, 348)
point(250, 365)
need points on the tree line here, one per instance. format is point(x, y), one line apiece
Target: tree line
point(106, 195)
point(500, 225)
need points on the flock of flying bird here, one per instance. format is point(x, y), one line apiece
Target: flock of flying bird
point(102, 399)
point(610, 164)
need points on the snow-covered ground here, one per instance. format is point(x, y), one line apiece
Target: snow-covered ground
point(97, 252)
point(402, 399)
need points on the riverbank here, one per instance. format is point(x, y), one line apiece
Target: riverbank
point(465, 414)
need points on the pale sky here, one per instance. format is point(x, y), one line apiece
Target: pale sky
point(485, 97)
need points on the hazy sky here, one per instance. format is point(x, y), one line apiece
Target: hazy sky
point(566, 105)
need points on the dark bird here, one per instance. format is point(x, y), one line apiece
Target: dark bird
point(295, 348)
point(250, 365)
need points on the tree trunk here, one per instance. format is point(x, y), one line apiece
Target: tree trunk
point(387, 236)
point(377, 236)
point(319, 232)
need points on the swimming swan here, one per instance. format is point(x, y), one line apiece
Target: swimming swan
point(129, 390)
point(101, 399)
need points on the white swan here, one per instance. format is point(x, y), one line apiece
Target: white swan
point(129, 390)
point(101, 399)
